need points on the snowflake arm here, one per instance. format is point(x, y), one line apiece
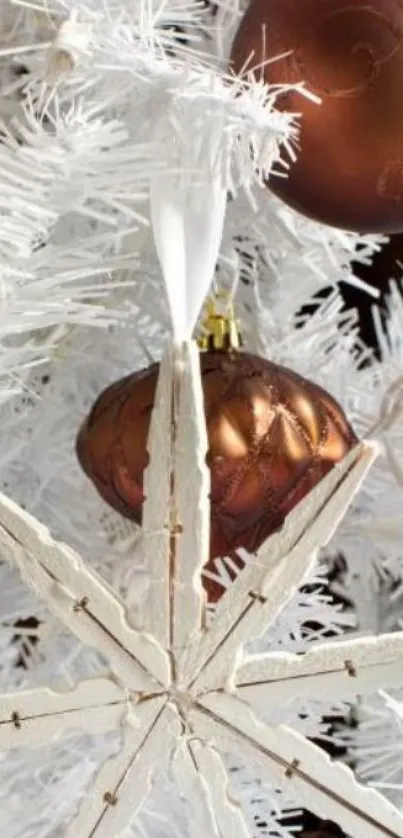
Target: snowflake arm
point(155, 613)
point(339, 670)
point(78, 596)
point(191, 488)
point(170, 701)
point(203, 781)
point(285, 757)
point(265, 585)
point(35, 717)
point(180, 545)
point(124, 780)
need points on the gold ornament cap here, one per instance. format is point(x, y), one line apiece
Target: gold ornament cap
point(220, 329)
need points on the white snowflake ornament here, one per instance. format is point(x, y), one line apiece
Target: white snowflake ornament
point(181, 689)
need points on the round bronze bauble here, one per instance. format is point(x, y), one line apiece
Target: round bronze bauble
point(272, 436)
point(349, 171)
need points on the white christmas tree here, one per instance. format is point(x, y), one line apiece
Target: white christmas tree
point(131, 186)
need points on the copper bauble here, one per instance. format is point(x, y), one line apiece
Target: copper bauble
point(272, 436)
point(349, 171)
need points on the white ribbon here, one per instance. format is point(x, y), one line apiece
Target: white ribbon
point(188, 220)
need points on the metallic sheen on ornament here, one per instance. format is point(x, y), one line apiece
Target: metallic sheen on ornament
point(272, 436)
point(349, 169)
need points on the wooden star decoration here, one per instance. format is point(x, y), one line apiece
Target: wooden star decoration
point(181, 688)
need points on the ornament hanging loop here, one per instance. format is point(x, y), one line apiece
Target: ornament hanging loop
point(220, 329)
